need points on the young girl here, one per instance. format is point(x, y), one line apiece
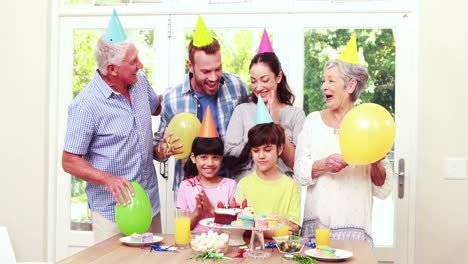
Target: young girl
point(267, 189)
point(203, 189)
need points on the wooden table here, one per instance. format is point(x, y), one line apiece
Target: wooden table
point(113, 251)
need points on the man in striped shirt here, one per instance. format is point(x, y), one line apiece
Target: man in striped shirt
point(206, 85)
point(109, 141)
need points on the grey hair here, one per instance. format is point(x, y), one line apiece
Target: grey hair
point(109, 53)
point(350, 72)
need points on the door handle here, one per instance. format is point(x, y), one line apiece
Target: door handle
point(163, 170)
point(401, 178)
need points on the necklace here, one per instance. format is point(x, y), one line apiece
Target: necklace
point(337, 123)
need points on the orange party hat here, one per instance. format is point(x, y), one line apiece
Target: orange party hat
point(208, 126)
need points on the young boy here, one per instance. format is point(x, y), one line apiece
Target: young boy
point(267, 189)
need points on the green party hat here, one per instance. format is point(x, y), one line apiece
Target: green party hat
point(115, 32)
point(202, 36)
point(262, 116)
point(350, 54)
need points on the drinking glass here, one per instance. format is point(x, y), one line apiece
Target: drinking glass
point(182, 229)
point(284, 230)
point(322, 232)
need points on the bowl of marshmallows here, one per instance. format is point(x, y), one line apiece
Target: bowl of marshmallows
point(211, 240)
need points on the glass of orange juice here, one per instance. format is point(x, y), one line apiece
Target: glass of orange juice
point(182, 229)
point(322, 232)
point(284, 228)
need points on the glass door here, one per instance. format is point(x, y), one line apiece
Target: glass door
point(78, 37)
point(384, 45)
point(239, 36)
point(301, 43)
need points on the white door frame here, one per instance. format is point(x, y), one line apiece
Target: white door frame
point(285, 28)
point(406, 108)
point(67, 241)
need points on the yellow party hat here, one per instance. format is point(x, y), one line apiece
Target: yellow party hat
point(208, 126)
point(350, 54)
point(202, 36)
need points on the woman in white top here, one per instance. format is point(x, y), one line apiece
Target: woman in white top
point(269, 83)
point(337, 191)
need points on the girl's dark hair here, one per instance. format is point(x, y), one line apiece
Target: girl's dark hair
point(261, 134)
point(201, 145)
point(270, 59)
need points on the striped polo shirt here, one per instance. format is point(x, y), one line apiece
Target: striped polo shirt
point(114, 136)
point(182, 98)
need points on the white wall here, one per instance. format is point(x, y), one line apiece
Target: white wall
point(441, 214)
point(441, 205)
point(23, 151)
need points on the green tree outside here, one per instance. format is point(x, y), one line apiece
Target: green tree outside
point(84, 67)
point(376, 51)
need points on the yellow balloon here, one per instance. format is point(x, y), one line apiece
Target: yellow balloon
point(186, 126)
point(367, 133)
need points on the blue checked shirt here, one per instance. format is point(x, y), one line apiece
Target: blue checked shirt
point(181, 98)
point(115, 137)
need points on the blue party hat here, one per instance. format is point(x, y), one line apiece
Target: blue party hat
point(262, 116)
point(115, 32)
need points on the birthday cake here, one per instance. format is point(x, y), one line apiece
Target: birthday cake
point(144, 238)
point(244, 216)
point(226, 214)
point(326, 252)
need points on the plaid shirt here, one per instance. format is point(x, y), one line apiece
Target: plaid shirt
point(115, 137)
point(181, 98)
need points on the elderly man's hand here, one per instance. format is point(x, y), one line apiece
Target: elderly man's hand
point(117, 186)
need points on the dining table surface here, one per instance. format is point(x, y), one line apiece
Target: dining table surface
point(113, 251)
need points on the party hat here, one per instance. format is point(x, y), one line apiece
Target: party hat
point(115, 32)
point(208, 127)
point(349, 54)
point(265, 44)
point(262, 116)
point(202, 36)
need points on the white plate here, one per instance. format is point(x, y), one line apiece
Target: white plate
point(209, 222)
point(126, 240)
point(340, 255)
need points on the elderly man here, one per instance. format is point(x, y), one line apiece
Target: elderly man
point(109, 138)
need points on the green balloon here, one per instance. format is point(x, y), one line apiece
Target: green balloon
point(135, 217)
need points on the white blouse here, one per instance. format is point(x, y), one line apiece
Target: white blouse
point(346, 196)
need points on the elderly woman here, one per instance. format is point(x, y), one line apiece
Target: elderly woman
point(336, 191)
point(269, 83)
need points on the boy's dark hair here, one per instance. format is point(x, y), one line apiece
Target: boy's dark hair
point(201, 145)
point(266, 134)
point(258, 135)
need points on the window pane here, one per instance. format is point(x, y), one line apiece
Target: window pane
point(78, 2)
point(377, 51)
point(109, 2)
point(238, 47)
point(84, 67)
